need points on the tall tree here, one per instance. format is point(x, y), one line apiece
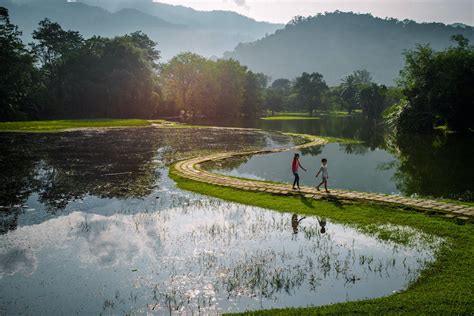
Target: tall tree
point(253, 95)
point(371, 99)
point(437, 89)
point(350, 87)
point(310, 88)
point(19, 78)
point(277, 95)
point(52, 42)
point(178, 77)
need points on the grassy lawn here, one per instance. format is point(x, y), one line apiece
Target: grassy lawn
point(444, 287)
point(58, 125)
point(305, 115)
point(310, 138)
point(289, 117)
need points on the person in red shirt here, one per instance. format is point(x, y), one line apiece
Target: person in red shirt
point(295, 165)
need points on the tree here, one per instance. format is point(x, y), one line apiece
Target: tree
point(253, 95)
point(437, 89)
point(362, 77)
point(178, 77)
point(231, 76)
point(350, 87)
point(310, 88)
point(371, 99)
point(19, 82)
point(52, 42)
point(276, 98)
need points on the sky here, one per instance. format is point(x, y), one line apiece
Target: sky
point(281, 11)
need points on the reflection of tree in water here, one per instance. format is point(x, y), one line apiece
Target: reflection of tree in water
point(119, 163)
point(373, 136)
point(313, 150)
point(439, 166)
point(227, 164)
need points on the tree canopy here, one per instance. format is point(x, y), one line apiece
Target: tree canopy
point(437, 89)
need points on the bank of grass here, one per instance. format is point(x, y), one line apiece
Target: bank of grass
point(444, 287)
point(310, 138)
point(305, 116)
point(289, 117)
point(60, 125)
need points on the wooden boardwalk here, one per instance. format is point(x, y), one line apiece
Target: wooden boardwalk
point(192, 169)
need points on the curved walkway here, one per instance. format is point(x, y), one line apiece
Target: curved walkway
point(192, 169)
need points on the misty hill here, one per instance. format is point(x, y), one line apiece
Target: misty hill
point(175, 28)
point(215, 20)
point(335, 44)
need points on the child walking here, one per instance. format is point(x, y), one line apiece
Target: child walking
point(324, 174)
point(295, 165)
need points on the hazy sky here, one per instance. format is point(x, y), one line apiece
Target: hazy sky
point(446, 11)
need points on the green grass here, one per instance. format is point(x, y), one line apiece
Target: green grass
point(305, 115)
point(289, 117)
point(59, 125)
point(310, 138)
point(444, 287)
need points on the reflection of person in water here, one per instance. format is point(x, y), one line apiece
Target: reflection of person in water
point(295, 222)
point(322, 223)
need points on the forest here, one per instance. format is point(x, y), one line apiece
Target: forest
point(63, 75)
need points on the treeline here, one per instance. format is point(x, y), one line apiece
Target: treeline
point(63, 75)
point(437, 90)
point(195, 86)
point(309, 93)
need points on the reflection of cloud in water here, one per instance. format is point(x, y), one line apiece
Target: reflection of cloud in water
point(106, 241)
point(17, 260)
point(111, 241)
point(226, 255)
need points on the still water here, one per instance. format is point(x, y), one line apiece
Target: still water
point(435, 166)
point(372, 172)
point(91, 223)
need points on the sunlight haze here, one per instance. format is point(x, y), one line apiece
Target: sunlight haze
point(453, 11)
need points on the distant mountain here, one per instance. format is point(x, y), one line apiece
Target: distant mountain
point(214, 20)
point(174, 28)
point(335, 44)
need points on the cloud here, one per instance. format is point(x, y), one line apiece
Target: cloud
point(241, 3)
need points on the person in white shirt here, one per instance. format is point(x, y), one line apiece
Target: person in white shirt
point(324, 174)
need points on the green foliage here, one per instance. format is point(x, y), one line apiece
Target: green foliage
point(196, 86)
point(371, 99)
point(309, 93)
point(437, 89)
point(104, 78)
point(76, 78)
point(310, 88)
point(19, 78)
point(52, 42)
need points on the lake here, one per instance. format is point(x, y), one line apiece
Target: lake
point(435, 166)
point(91, 223)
